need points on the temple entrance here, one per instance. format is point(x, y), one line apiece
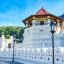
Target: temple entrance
point(42, 23)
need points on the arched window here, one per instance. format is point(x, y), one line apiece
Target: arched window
point(41, 57)
point(42, 23)
point(9, 45)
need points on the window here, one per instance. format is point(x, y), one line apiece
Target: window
point(35, 57)
point(48, 58)
point(41, 57)
point(9, 45)
point(62, 60)
point(57, 51)
point(57, 59)
point(42, 23)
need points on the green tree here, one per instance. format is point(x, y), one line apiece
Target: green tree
point(11, 30)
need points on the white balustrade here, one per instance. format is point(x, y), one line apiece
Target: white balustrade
point(32, 54)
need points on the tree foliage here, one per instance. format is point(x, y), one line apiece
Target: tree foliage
point(11, 30)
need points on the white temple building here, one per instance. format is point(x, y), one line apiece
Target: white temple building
point(37, 36)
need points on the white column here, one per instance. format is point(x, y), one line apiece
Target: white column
point(48, 19)
point(58, 26)
point(58, 22)
point(33, 21)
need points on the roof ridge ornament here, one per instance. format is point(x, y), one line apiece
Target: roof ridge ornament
point(42, 7)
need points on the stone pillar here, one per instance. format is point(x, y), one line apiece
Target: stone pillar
point(33, 21)
point(48, 19)
point(58, 27)
point(58, 22)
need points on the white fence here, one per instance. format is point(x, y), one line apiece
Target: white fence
point(32, 55)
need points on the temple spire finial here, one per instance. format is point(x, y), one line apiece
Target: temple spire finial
point(42, 7)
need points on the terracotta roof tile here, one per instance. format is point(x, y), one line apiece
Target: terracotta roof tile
point(42, 12)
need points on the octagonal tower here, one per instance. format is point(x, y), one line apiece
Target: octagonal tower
point(37, 33)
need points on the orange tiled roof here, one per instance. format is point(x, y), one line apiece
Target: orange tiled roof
point(42, 12)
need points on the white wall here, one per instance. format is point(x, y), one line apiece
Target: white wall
point(31, 55)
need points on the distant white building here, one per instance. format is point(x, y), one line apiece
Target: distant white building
point(6, 43)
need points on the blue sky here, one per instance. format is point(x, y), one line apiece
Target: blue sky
point(12, 12)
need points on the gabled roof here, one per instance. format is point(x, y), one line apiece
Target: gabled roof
point(42, 11)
